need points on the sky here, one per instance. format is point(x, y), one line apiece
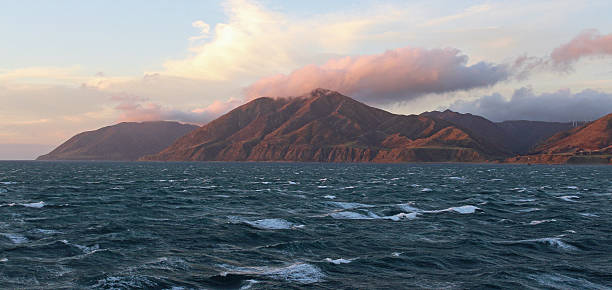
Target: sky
point(72, 66)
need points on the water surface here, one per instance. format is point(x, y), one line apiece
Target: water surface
point(291, 225)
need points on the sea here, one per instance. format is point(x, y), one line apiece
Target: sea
point(207, 225)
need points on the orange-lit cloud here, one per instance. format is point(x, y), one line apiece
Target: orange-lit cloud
point(587, 43)
point(394, 76)
point(136, 109)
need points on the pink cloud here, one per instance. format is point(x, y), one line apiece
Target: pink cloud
point(587, 43)
point(394, 76)
point(136, 109)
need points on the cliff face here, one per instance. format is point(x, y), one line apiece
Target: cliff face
point(122, 142)
point(591, 143)
point(325, 126)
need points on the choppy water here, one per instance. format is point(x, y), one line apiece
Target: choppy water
point(269, 225)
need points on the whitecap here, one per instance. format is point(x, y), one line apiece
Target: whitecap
point(465, 209)
point(249, 284)
point(272, 224)
point(396, 254)
point(588, 214)
point(529, 209)
point(570, 198)
point(572, 187)
point(292, 182)
point(125, 282)
point(401, 216)
point(2, 190)
point(85, 249)
point(348, 187)
point(8, 182)
point(496, 179)
point(323, 186)
point(456, 178)
point(48, 232)
point(553, 242)
point(4, 260)
point(338, 261)
point(299, 272)
point(349, 215)
point(329, 196)
point(39, 204)
point(426, 189)
point(415, 185)
point(349, 205)
point(15, 238)
point(408, 207)
point(537, 222)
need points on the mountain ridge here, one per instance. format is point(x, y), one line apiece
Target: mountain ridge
point(125, 141)
point(325, 126)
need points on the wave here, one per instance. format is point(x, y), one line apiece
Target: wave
point(268, 224)
point(350, 215)
point(537, 222)
point(552, 242)
point(464, 209)
point(338, 261)
point(570, 198)
point(85, 249)
point(39, 204)
point(349, 205)
point(558, 281)
point(15, 238)
point(301, 273)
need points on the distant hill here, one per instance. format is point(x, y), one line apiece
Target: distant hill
point(591, 143)
point(325, 126)
point(121, 142)
point(522, 136)
point(477, 125)
point(518, 137)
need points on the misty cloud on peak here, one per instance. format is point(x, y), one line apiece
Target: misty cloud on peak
point(391, 77)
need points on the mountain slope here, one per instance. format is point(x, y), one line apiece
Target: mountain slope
point(591, 143)
point(592, 136)
point(325, 126)
point(121, 142)
point(476, 124)
point(522, 136)
point(518, 137)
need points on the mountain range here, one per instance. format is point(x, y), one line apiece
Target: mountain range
point(326, 126)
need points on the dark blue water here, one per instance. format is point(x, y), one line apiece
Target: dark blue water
point(288, 225)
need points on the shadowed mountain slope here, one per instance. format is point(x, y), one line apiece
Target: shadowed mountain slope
point(121, 142)
point(518, 137)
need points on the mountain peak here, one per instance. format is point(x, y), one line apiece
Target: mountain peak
point(325, 126)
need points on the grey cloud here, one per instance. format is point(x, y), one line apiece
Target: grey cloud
point(559, 106)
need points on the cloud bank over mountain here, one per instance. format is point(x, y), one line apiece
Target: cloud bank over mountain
point(524, 104)
point(394, 76)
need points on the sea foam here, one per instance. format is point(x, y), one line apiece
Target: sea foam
point(302, 273)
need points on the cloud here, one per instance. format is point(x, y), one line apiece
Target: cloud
point(559, 106)
point(137, 109)
point(587, 43)
point(391, 77)
point(467, 12)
